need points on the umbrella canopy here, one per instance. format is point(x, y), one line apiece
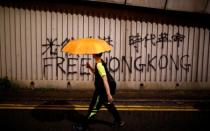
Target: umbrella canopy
point(86, 46)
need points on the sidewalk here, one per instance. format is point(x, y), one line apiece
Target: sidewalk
point(66, 99)
point(67, 94)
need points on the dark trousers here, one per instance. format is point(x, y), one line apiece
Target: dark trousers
point(95, 105)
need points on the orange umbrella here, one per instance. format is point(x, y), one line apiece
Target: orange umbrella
point(86, 46)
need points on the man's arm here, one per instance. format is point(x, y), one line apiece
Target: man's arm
point(106, 85)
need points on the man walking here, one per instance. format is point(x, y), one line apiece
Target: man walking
point(103, 94)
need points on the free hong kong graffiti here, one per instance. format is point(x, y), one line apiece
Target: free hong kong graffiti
point(68, 64)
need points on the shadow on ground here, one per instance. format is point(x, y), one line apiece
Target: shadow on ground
point(202, 106)
point(53, 115)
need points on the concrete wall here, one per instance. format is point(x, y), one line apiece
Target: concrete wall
point(145, 55)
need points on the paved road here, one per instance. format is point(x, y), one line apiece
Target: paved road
point(62, 119)
point(142, 111)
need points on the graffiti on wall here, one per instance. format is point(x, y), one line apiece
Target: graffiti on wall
point(152, 62)
point(52, 48)
point(143, 50)
point(162, 39)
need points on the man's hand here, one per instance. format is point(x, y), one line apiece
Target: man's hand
point(110, 98)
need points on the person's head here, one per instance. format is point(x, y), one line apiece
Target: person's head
point(97, 55)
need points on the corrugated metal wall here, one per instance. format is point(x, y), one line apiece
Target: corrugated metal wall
point(144, 52)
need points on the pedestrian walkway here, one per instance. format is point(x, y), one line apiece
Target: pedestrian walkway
point(125, 100)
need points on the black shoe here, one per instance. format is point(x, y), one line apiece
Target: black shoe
point(79, 127)
point(118, 124)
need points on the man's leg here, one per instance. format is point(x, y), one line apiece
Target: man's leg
point(112, 109)
point(117, 119)
point(94, 107)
